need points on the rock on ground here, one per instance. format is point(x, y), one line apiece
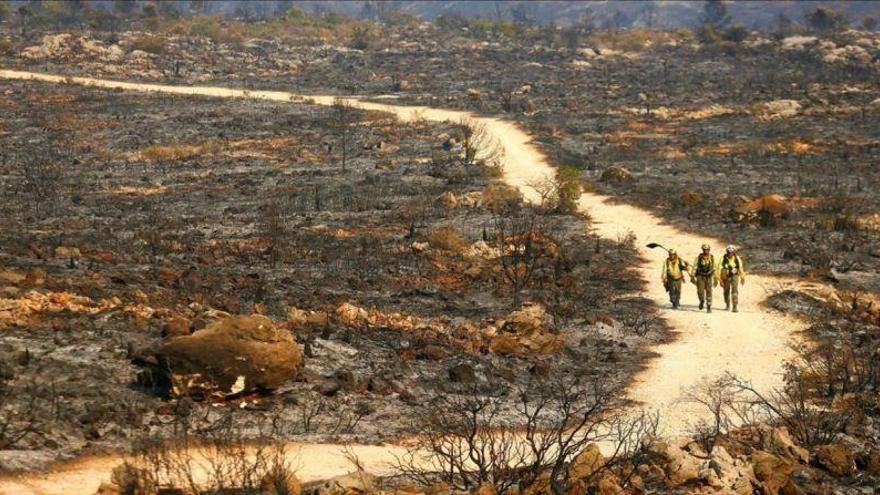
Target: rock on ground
point(350, 484)
point(729, 475)
point(230, 356)
point(837, 459)
point(617, 175)
point(771, 471)
point(586, 463)
point(681, 466)
point(778, 441)
point(779, 109)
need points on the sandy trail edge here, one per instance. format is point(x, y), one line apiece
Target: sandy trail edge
point(751, 344)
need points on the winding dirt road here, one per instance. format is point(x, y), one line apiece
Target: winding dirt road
point(751, 344)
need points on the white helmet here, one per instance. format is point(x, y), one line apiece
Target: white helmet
point(672, 251)
point(705, 247)
point(731, 249)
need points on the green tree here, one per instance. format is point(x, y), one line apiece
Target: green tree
point(568, 189)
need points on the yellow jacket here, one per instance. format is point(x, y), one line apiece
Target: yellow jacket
point(711, 264)
point(733, 266)
point(675, 270)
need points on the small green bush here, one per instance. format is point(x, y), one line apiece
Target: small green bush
point(568, 189)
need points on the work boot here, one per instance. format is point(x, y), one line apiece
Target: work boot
point(708, 308)
point(727, 306)
point(735, 310)
point(701, 304)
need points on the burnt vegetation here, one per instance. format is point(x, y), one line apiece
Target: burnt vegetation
point(425, 294)
point(149, 220)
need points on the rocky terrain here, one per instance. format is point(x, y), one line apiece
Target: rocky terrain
point(177, 270)
point(791, 118)
point(143, 220)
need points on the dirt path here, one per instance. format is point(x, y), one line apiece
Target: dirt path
point(751, 344)
point(311, 462)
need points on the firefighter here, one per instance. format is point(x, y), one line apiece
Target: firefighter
point(733, 274)
point(672, 275)
point(705, 275)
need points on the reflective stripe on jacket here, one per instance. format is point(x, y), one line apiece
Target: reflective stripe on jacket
point(732, 265)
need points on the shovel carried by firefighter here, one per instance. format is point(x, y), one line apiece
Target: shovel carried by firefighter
point(654, 245)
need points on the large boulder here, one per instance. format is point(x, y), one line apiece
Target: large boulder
point(837, 459)
point(350, 315)
point(530, 319)
point(680, 465)
point(505, 344)
point(609, 485)
point(300, 318)
point(729, 475)
point(778, 441)
point(771, 471)
point(230, 356)
point(525, 331)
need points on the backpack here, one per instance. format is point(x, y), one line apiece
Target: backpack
point(705, 267)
